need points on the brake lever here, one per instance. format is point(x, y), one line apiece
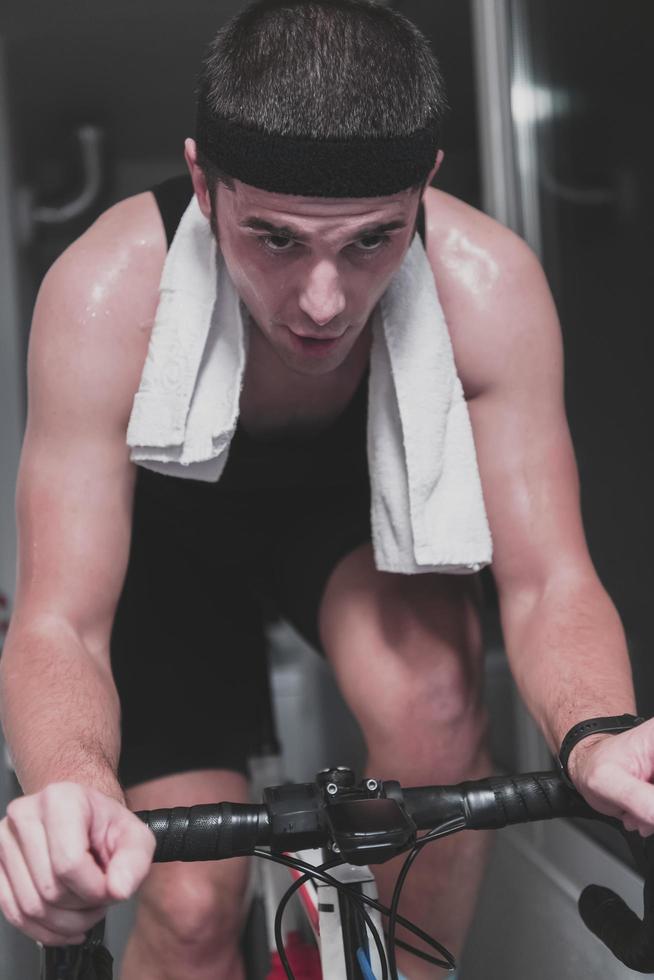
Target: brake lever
point(607, 915)
point(89, 961)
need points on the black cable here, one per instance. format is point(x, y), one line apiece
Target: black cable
point(420, 953)
point(316, 872)
point(343, 888)
point(312, 870)
point(281, 907)
point(356, 898)
point(445, 830)
point(410, 926)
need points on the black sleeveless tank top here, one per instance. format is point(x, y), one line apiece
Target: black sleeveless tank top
point(333, 456)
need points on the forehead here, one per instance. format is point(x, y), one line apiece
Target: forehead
point(326, 213)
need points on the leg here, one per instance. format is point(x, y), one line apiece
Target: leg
point(189, 916)
point(407, 653)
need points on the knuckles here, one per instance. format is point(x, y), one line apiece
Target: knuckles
point(67, 867)
point(19, 810)
point(52, 892)
point(55, 794)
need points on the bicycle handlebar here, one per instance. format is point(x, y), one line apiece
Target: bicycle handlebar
point(207, 832)
point(304, 816)
point(213, 831)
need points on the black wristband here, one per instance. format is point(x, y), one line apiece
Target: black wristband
point(613, 725)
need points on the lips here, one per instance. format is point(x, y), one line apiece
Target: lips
point(308, 336)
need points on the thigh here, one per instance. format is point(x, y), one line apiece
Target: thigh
point(405, 648)
point(188, 656)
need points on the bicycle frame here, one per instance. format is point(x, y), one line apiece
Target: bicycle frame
point(338, 934)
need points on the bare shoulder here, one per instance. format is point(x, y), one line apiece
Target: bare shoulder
point(494, 294)
point(96, 305)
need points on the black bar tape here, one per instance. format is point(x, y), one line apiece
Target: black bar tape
point(429, 806)
point(498, 802)
point(207, 832)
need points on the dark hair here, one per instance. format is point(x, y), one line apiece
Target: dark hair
point(327, 69)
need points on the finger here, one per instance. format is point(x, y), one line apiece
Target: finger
point(8, 902)
point(68, 923)
point(635, 796)
point(29, 832)
point(133, 848)
point(34, 930)
point(30, 903)
point(67, 834)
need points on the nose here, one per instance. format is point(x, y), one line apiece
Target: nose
point(322, 297)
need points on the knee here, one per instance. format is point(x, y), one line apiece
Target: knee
point(433, 737)
point(432, 722)
point(441, 700)
point(426, 678)
point(187, 912)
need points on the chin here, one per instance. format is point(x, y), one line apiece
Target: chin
point(311, 369)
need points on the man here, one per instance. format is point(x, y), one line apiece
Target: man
point(162, 574)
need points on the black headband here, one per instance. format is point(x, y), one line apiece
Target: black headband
point(355, 167)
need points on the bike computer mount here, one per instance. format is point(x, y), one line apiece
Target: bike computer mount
point(366, 823)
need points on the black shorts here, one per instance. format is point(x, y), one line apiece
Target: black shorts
point(207, 562)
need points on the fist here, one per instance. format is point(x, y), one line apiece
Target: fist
point(66, 854)
point(614, 773)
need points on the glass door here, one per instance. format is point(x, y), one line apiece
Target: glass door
point(581, 95)
point(581, 108)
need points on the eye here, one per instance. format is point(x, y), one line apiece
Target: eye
point(371, 243)
point(276, 243)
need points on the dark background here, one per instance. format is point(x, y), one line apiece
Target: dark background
point(596, 167)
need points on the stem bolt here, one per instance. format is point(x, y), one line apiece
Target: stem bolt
point(332, 789)
point(371, 784)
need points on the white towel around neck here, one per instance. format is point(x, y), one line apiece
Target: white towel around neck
point(427, 511)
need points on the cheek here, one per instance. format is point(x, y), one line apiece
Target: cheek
point(262, 291)
point(367, 285)
point(240, 265)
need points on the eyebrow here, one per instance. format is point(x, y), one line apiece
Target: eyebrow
point(286, 231)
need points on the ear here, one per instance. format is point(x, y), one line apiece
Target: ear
point(197, 176)
point(434, 170)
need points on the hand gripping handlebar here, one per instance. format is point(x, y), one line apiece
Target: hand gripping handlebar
point(308, 815)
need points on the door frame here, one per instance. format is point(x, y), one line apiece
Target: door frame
point(12, 386)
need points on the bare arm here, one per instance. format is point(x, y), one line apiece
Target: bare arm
point(564, 638)
point(59, 705)
point(69, 847)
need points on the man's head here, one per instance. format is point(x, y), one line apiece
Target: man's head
point(318, 122)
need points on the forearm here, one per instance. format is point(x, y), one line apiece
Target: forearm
point(567, 650)
point(59, 707)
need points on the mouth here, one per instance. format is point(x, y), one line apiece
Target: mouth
point(310, 336)
point(311, 344)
